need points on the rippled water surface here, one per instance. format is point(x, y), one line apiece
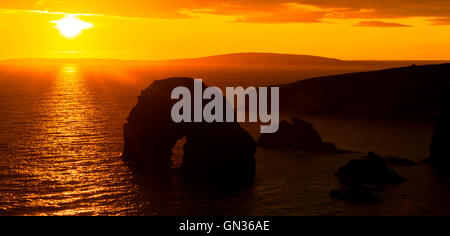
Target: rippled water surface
point(61, 140)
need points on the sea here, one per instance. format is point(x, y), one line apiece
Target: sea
point(61, 140)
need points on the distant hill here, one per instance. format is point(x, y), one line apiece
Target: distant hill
point(259, 59)
point(414, 92)
point(234, 59)
point(288, 59)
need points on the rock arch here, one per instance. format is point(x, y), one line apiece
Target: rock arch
point(213, 151)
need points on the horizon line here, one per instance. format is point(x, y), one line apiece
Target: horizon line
point(208, 56)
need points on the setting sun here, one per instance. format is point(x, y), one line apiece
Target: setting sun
point(70, 26)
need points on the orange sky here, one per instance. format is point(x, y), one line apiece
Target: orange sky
point(156, 29)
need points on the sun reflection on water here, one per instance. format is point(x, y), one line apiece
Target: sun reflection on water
point(73, 172)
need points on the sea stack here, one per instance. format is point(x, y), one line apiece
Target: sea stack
point(359, 175)
point(216, 152)
point(299, 134)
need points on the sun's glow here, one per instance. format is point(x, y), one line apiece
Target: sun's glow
point(70, 26)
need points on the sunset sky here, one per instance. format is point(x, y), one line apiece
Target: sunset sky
point(156, 29)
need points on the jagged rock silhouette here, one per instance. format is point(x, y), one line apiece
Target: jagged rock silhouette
point(357, 176)
point(372, 170)
point(217, 152)
point(299, 134)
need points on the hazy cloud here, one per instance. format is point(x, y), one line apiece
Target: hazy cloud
point(267, 11)
point(380, 24)
point(440, 21)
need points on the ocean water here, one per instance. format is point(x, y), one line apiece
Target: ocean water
point(61, 141)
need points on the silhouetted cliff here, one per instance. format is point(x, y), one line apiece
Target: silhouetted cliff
point(413, 92)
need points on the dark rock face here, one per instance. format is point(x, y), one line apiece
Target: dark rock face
point(213, 151)
point(398, 161)
point(358, 175)
point(372, 170)
point(299, 135)
point(440, 142)
point(407, 93)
